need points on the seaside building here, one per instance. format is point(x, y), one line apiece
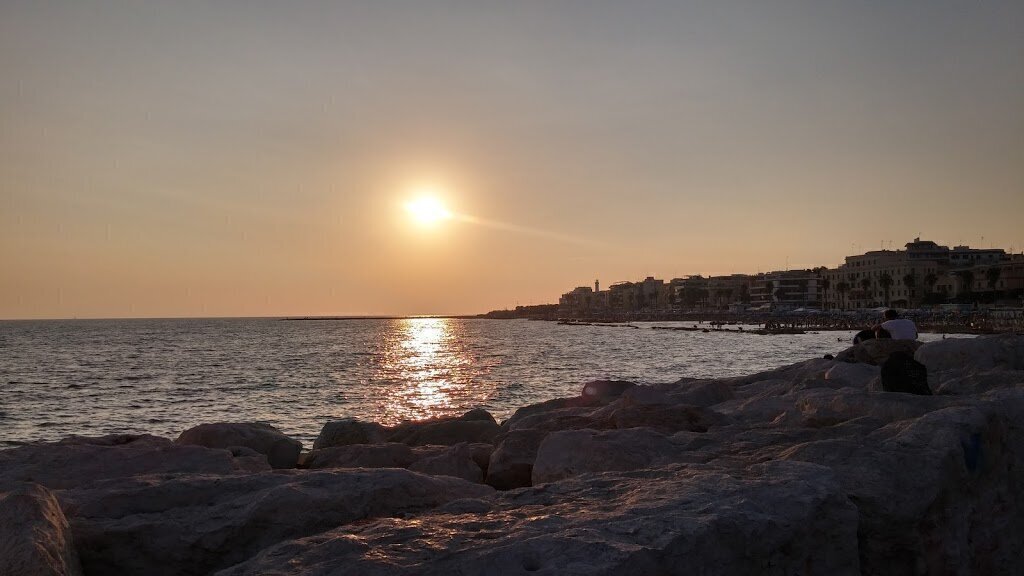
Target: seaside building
point(924, 271)
point(579, 302)
point(786, 290)
point(992, 280)
point(652, 294)
point(726, 291)
point(691, 292)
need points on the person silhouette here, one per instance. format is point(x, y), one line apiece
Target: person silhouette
point(897, 328)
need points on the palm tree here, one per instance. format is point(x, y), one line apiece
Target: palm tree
point(885, 281)
point(930, 280)
point(966, 280)
point(704, 293)
point(992, 275)
point(865, 285)
point(910, 280)
point(825, 285)
point(691, 295)
point(744, 294)
point(779, 293)
point(843, 288)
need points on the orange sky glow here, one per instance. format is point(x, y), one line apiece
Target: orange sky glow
point(166, 159)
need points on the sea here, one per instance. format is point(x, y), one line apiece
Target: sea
point(95, 377)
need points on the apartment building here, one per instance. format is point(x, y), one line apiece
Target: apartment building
point(901, 278)
point(786, 290)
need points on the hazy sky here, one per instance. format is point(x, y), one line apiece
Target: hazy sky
point(252, 158)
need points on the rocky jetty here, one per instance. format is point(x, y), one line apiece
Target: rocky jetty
point(807, 469)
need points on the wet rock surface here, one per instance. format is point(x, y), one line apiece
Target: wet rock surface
point(806, 469)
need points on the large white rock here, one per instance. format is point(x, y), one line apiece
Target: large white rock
point(1005, 352)
point(280, 450)
point(854, 374)
point(774, 519)
point(171, 525)
point(956, 382)
point(935, 493)
point(34, 535)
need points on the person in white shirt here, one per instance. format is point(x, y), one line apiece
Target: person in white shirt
point(898, 328)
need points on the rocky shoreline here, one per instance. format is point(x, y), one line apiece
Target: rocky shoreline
point(806, 469)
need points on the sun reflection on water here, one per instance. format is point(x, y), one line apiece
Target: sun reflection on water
point(428, 371)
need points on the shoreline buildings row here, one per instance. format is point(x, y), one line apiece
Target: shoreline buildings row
point(922, 274)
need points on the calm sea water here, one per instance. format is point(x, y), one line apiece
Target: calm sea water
point(162, 376)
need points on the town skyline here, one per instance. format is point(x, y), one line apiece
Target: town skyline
point(922, 273)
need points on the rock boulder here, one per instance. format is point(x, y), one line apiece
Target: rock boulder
point(349, 431)
point(572, 452)
point(160, 525)
point(280, 450)
point(968, 355)
point(34, 535)
point(387, 455)
point(775, 519)
point(76, 461)
point(511, 464)
point(454, 461)
point(474, 426)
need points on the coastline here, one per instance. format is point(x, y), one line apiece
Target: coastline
point(809, 468)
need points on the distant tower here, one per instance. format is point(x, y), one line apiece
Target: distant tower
point(597, 285)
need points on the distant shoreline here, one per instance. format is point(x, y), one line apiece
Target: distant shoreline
point(440, 316)
point(276, 318)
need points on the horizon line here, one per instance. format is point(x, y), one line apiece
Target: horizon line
point(297, 317)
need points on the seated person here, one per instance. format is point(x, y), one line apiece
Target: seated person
point(897, 328)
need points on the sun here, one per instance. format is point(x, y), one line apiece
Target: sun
point(427, 210)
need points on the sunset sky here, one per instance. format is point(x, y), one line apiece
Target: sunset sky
point(256, 158)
